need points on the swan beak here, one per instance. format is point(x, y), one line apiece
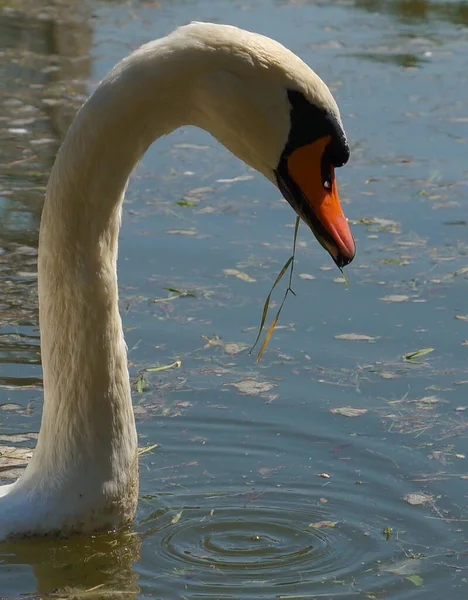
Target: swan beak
point(300, 180)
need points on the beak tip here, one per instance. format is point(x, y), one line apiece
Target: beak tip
point(344, 252)
point(343, 260)
point(341, 253)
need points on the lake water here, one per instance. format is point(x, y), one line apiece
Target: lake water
point(256, 479)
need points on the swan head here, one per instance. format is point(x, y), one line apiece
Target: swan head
point(305, 174)
point(276, 114)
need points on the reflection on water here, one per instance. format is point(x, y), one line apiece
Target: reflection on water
point(45, 60)
point(95, 567)
point(258, 480)
point(385, 55)
point(409, 11)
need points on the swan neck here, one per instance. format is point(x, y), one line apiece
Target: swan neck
point(87, 416)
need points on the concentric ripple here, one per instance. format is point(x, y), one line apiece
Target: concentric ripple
point(228, 540)
point(281, 543)
point(271, 527)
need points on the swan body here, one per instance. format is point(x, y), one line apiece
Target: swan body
point(268, 108)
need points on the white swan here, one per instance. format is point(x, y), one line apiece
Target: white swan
point(268, 108)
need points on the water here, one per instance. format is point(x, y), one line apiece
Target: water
point(260, 486)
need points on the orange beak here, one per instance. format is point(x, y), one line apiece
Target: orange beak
point(314, 196)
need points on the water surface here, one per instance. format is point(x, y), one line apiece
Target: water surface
point(257, 484)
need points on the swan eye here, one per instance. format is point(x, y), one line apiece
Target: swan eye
point(327, 170)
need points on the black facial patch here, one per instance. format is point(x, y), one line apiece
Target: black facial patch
point(310, 123)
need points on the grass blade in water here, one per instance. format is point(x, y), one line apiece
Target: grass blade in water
point(289, 263)
point(417, 353)
point(268, 298)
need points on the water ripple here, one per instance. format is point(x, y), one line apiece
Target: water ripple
point(264, 522)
